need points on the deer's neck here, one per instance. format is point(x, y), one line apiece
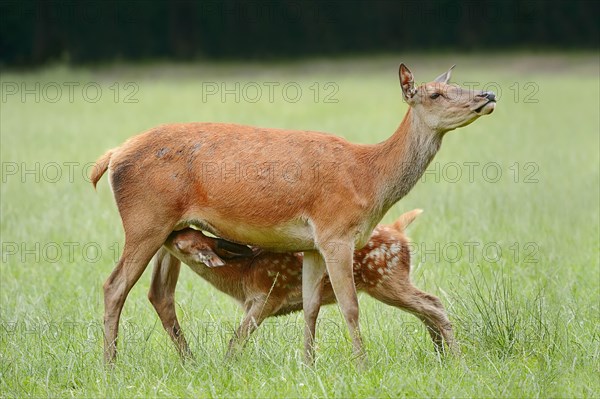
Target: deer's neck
point(403, 158)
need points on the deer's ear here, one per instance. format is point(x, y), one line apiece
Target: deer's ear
point(407, 82)
point(445, 77)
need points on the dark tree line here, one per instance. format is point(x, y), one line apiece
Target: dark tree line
point(37, 31)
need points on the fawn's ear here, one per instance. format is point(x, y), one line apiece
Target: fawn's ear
point(209, 258)
point(407, 82)
point(445, 77)
point(228, 249)
point(406, 219)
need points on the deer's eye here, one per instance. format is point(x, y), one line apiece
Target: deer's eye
point(434, 96)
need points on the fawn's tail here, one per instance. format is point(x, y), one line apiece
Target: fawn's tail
point(406, 218)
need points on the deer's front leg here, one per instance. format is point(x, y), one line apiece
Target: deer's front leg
point(339, 256)
point(313, 273)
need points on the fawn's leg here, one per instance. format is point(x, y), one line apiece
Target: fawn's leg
point(428, 308)
point(257, 311)
point(162, 297)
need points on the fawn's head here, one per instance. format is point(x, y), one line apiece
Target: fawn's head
point(442, 106)
point(192, 246)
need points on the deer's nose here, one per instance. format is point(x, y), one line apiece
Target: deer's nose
point(489, 95)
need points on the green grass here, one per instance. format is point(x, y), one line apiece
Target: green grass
point(527, 319)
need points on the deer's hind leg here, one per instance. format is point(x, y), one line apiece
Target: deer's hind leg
point(142, 241)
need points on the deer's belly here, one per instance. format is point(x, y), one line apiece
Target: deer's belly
point(295, 235)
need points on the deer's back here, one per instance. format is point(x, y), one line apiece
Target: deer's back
point(248, 184)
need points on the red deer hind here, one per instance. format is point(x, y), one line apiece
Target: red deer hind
point(228, 180)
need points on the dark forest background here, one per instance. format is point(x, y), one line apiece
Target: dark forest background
point(38, 31)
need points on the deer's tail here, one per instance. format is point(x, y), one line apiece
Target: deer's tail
point(100, 167)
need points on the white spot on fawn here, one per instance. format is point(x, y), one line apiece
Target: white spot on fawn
point(395, 248)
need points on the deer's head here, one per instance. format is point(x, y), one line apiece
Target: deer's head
point(442, 106)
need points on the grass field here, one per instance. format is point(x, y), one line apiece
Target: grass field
point(509, 239)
